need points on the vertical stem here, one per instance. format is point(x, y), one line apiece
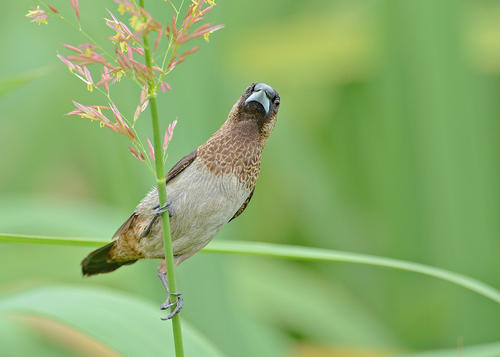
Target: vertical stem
point(162, 193)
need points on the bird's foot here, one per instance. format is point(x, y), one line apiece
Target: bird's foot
point(157, 210)
point(168, 303)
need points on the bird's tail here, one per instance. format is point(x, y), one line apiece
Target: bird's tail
point(100, 261)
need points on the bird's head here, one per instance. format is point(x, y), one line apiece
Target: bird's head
point(259, 104)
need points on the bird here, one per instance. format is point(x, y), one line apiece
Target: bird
point(206, 189)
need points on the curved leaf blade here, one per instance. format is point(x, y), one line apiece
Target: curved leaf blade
point(486, 350)
point(125, 324)
point(295, 252)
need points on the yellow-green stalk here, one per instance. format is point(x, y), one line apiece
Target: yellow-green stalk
point(162, 194)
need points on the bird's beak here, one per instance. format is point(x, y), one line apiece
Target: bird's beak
point(262, 94)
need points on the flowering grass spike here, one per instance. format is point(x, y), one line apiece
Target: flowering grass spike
point(74, 4)
point(128, 54)
point(89, 61)
point(38, 15)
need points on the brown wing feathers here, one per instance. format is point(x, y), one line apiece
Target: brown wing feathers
point(181, 165)
point(125, 225)
point(243, 206)
point(101, 260)
point(174, 171)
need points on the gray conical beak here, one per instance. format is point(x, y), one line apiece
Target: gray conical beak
point(262, 93)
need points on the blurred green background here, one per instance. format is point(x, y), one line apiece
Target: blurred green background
point(387, 143)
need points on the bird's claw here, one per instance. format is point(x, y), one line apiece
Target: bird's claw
point(177, 303)
point(167, 304)
point(158, 210)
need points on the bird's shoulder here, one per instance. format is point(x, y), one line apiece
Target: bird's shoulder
point(181, 165)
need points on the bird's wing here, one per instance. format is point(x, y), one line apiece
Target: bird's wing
point(243, 206)
point(181, 165)
point(174, 171)
point(125, 225)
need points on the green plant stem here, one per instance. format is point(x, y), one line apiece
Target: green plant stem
point(291, 252)
point(162, 195)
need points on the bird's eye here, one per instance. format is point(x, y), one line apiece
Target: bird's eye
point(277, 102)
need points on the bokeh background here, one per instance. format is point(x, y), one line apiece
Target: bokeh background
point(387, 143)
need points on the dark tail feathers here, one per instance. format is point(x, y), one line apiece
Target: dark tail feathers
point(99, 261)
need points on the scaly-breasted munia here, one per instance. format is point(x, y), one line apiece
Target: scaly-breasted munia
point(206, 189)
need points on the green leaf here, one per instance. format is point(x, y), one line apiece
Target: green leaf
point(318, 254)
point(486, 350)
point(125, 324)
point(19, 340)
point(8, 85)
point(298, 253)
point(333, 313)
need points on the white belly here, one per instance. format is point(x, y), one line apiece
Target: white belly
point(202, 204)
